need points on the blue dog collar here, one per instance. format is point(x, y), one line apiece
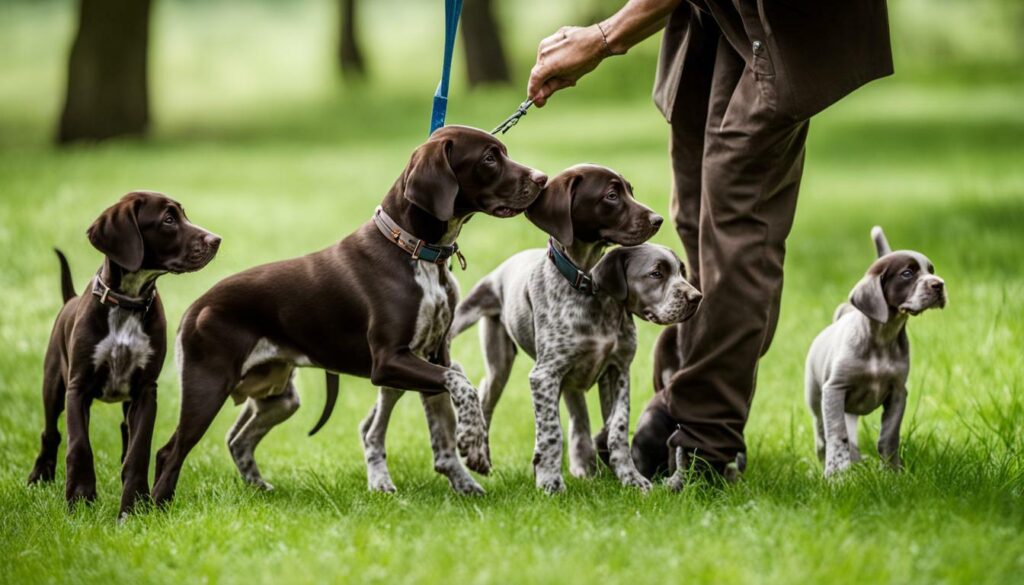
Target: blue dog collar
point(417, 248)
point(577, 279)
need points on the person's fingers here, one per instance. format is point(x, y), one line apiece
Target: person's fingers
point(549, 88)
point(538, 75)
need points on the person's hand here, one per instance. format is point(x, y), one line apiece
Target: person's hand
point(563, 58)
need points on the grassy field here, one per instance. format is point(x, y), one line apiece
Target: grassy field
point(262, 144)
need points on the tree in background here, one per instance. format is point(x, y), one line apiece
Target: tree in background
point(350, 56)
point(107, 92)
point(485, 56)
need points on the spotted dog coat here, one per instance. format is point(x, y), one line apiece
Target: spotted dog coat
point(576, 340)
point(861, 361)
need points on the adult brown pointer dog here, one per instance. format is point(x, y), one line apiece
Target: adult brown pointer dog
point(377, 304)
point(109, 344)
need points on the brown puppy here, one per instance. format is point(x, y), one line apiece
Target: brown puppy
point(377, 304)
point(109, 345)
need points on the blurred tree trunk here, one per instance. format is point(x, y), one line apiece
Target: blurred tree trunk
point(350, 56)
point(107, 92)
point(485, 56)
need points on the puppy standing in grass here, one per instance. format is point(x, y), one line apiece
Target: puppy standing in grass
point(376, 305)
point(861, 361)
point(570, 309)
point(109, 345)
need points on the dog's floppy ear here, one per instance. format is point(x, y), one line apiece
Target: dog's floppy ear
point(610, 274)
point(116, 233)
point(552, 210)
point(869, 299)
point(430, 182)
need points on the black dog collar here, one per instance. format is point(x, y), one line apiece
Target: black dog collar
point(417, 248)
point(112, 298)
point(578, 279)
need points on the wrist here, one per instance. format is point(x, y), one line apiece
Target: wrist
point(611, 41)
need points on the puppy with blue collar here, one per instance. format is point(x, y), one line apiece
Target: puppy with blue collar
point(570, 307)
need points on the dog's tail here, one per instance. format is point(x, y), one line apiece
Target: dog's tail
point(881, 244)
point(482, 301)
point(67, 286)
point(332, 399)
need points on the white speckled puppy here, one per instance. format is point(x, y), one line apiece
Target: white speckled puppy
point(861, 361)
point(570, 310)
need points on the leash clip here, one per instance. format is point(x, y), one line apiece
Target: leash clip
point(514, 118)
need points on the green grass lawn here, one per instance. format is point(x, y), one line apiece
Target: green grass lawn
point(260, 144)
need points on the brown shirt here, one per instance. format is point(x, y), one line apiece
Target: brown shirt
point(806, 54)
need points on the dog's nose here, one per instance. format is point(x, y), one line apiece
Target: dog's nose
point(212, 241)
point(938, 284)
point(657, 220)
point(540, 178)
point(694, 296)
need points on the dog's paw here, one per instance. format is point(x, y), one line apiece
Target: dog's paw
point(467, 487)
point(551, 484)
point(474, 448)
point(634, 479)
point(675, 482)
point(834, 470)
point(382, 485)
point(76, 494)
point(260, 484)
point(478, 459)
point(42, 473)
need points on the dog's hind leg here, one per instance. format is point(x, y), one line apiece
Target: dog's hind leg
point(45, 467)
point(441, 421)
point(248, 411)
point(374, 432)
point(204, 390)
point(500, 354)
point(582, 456)
point(262, 415)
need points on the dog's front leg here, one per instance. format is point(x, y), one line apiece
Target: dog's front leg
point(545, 388)
point(404, 370)
point(81, 475)
point(617, 382)
point(892, 419)
point(135, 466)
point(833, 410)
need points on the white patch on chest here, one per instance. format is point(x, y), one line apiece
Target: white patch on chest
point(125, 349)
point(434, 314)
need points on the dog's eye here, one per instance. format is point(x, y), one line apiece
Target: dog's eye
point(655, 274)
point(489, 158)
point(612, 196)
point(169, 220)
point(907, 273)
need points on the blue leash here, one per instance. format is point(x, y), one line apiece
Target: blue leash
point(452, 11)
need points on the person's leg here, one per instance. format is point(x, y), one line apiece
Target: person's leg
point(752, 167)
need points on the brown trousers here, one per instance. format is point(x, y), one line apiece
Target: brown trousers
point(737, 168)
